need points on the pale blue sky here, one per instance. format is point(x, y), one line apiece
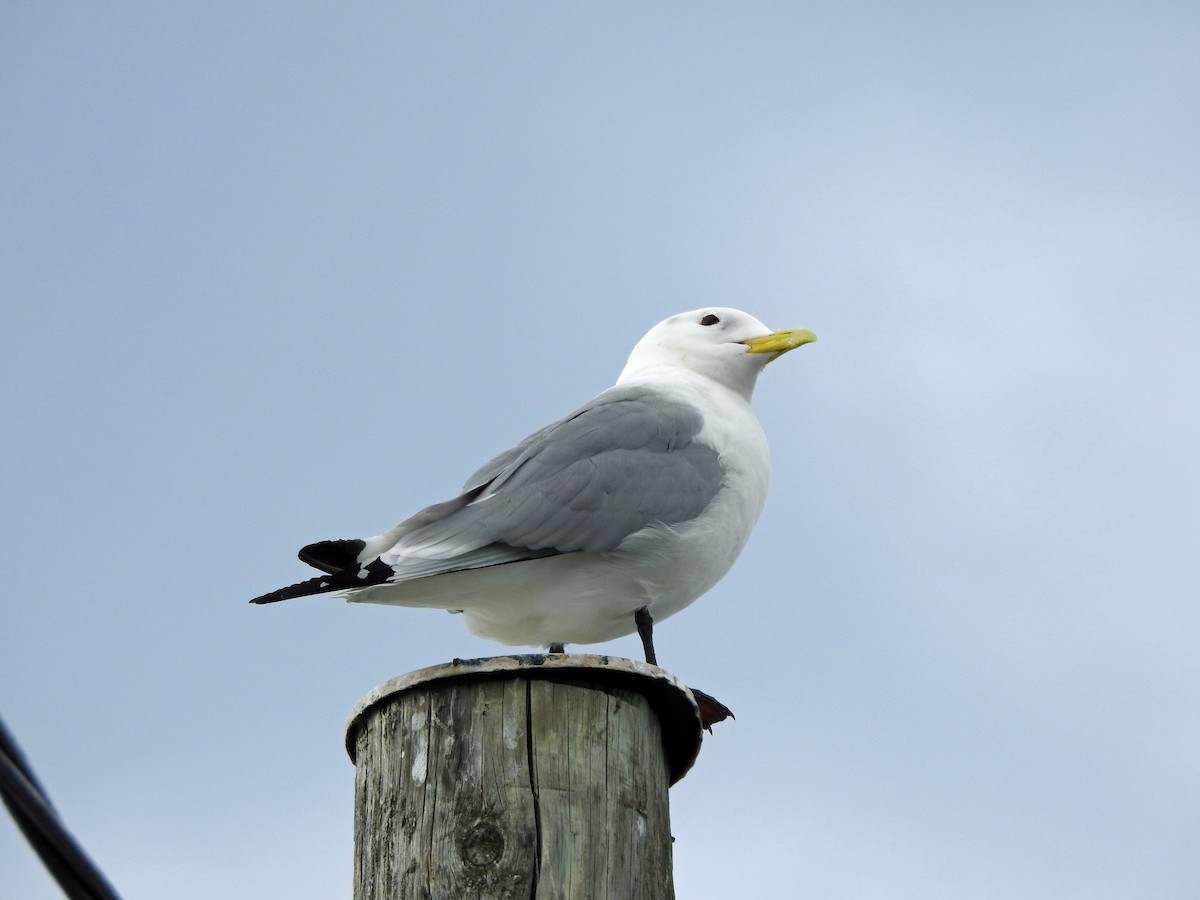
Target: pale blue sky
point(279, 272)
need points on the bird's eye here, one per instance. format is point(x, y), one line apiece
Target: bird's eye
point(710, 319)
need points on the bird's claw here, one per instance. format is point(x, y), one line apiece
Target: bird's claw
point(711, 709)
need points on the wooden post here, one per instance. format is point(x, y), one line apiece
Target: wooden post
point(533, 777)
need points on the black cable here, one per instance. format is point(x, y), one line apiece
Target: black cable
point(31, 809)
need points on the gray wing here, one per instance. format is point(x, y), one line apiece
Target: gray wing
point(495, 466)
point(626, 460)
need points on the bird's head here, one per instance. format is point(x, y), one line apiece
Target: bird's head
point(727, 345)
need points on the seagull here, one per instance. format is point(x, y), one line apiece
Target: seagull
point(602, 523)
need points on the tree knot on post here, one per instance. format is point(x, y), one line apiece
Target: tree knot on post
point(481, 844)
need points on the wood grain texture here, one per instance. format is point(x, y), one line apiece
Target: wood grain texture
point(601, 789)
point(514, 788)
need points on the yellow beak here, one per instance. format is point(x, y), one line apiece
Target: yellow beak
point(779, 342)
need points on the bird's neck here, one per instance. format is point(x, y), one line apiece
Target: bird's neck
point(658, 374)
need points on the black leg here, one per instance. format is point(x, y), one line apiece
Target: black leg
point(645, 627)
point(557, 648)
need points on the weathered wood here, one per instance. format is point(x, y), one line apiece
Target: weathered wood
point(520, 777)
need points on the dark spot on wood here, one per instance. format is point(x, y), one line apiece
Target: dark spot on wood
point(482, 845)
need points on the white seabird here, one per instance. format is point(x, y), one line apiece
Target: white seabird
point(602, 523)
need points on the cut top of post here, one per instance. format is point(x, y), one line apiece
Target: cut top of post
point(669, 697)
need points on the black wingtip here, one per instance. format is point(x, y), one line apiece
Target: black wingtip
point(332, 556)
point(358, 577)
point(319, 585)
point(335, 558)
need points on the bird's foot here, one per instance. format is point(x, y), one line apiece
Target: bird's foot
point(557, 648)
point(712, 710)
